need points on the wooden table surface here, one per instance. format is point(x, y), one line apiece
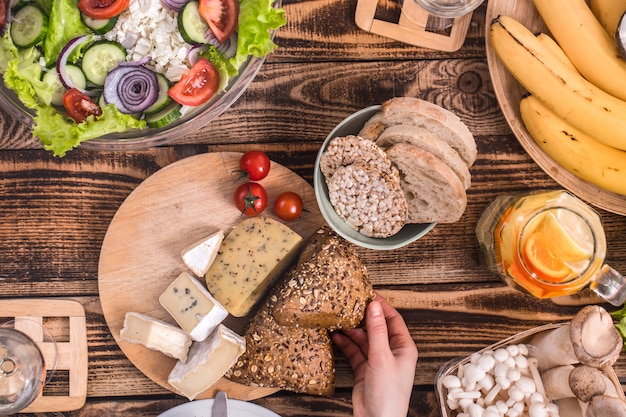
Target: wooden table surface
point(54, 212)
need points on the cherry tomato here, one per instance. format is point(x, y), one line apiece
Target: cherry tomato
point(222, 16)
point(198, 85)
point(102, 9)
point(79, 106)
point(255, 165)
point(288, 206)
point(250, 198)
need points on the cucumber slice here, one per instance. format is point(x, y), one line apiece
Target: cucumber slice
point(164, 117)
point(163, 99)
point(99, 26)
point(100, 58)
point(52, 79)
point(191, 25)
point(29, 26)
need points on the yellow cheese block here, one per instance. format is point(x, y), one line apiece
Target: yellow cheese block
point(253, 255)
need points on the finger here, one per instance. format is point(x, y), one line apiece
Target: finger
point(376, 327)
point(349, 348)
point(400, 338)
point(358, 336)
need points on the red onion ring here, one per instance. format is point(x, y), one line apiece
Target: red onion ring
point(131, 87)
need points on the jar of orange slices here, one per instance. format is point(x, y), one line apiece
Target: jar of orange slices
point(548, 244)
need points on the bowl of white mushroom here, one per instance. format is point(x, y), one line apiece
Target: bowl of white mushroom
point(555, 370)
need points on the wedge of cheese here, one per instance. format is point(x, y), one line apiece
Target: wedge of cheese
point(195, 310)
point(199, 256)
point(253, 255)
point(156, 335)
point(208, 362)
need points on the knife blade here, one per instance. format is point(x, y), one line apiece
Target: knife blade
point(220, 405)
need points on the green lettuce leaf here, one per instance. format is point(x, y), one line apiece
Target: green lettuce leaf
point(60, 135)
point(8, 51)
point(64, 25)
point(257, 18)
point(23, 75)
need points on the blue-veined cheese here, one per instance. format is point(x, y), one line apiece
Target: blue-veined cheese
point(156, 335)
point(208, 361)
point(195, 310)
point(200, 256)
point(253, 255)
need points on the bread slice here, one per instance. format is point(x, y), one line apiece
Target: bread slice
point(420, 136)
point(346, 150)
point(329, 286)
point(290, 358)
point(434, 193)
point(413, 111)
point(369, 200)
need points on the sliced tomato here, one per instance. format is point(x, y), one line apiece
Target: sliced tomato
point(222, 16)
point(198, 85)
point(79, 105)
point(102, 9)
point(4, 14)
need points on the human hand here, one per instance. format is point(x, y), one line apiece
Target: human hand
point(383, 357)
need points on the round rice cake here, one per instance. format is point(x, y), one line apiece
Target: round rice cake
point(368, 199)
point(346, 150)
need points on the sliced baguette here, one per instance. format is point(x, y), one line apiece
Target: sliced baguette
point(329, 286)
point(434, 193)
point(420, 136)
point(413, 111)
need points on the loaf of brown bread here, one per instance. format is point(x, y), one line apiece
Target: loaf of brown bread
point(291, 358)
point(328, 287)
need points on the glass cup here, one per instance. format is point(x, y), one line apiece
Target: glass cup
point(23, 369)
point(548, 244)
point(449, 8)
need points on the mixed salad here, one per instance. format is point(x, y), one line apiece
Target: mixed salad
point(87, 70)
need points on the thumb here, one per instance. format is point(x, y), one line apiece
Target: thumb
point(376, 326)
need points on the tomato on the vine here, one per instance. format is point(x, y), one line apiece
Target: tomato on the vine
point(255, 165)
point(79, 105)
point(102, 9)
point(288, 206)
point(250, 198)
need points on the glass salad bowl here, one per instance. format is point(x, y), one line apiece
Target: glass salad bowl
point(191, 120)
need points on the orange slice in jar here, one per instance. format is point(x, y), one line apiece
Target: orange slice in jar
point(538, 257)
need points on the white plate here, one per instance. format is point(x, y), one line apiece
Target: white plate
point(203, 408)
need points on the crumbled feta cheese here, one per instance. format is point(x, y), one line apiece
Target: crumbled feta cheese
point(148, 28)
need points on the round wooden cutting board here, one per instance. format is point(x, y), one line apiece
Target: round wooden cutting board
point(172, 209)
point(509, 92)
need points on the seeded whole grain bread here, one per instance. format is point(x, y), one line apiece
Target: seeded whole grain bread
point(346, 150)
point(369, 200)
point(329, 287)
point(420, 136)
point(436, 119)
point(289, 358)
point(434, 193)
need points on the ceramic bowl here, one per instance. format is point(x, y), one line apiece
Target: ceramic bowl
point(351, 125)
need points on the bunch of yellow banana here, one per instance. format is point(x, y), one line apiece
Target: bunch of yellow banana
point(585, 41)
point(564, 100)
point(581, 154)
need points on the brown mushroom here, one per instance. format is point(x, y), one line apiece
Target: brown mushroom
point(567, 381)
point(595, 339)
point(605, 406)
point(586, 382)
